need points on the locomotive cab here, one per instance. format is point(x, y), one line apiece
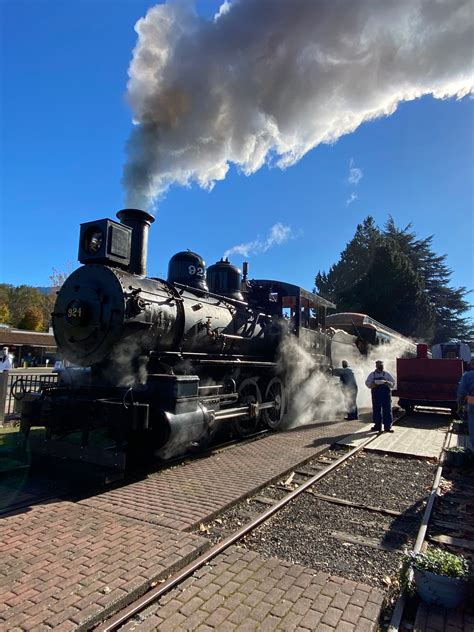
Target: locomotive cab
point(302, 312)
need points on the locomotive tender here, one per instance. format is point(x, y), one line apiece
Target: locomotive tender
point(166, 362)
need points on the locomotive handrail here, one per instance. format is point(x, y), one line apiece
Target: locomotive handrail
point(198, 290)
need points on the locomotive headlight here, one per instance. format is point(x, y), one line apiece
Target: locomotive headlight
point(93, 240)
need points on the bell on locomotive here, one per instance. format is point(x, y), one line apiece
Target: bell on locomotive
point(188, 268)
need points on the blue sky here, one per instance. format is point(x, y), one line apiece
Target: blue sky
point(65, 121)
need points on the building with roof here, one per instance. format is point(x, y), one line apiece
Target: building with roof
point(33, 348)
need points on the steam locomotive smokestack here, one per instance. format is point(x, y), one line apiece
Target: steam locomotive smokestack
point(139, 221)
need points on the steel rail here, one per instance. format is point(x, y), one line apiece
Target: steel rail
point(397, 614)
point(129, 611)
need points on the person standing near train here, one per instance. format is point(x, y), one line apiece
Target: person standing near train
point(381, 384)
point(466, 397)
point(349, 389)
point(6, 360)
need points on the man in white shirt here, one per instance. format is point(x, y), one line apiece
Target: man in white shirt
point(381, 384)
point(5, 360)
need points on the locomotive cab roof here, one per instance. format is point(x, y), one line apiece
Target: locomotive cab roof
point(288, 291)
point(301, 308)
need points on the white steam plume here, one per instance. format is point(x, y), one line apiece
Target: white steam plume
point(343, 349)
point(268, 80)
point(314, 394)
point(279, 233)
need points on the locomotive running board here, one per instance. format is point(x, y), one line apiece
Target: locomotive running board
point(86, 454)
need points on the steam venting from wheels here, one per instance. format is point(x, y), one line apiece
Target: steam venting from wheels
point(266, 81)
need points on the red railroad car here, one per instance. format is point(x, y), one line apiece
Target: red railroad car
point(432, 382)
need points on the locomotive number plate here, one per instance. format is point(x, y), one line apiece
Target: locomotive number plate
point(75, 313)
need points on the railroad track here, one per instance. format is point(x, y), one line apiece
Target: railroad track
point(452, 492)
point(153, 595)
point(217, 514)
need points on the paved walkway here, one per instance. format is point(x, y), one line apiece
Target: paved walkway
point(186, 495)
point(241, 591)
point(415, 435)
point(65, 564)
point(433, 619)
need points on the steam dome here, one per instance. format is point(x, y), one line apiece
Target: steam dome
point(188, 268)
point(226, 279)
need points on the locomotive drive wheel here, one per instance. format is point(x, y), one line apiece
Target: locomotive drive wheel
point(275, 391)
point(249, 393)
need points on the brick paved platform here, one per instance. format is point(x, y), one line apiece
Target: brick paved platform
point(435, 619)
point(417, 435)
point(186, 495)
point(63, 565)
point(242, 591)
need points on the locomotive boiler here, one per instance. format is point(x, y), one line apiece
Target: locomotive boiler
point(159, 365)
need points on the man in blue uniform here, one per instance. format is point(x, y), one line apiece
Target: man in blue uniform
point(381, 384)
point(349, 389)
point(466, 392)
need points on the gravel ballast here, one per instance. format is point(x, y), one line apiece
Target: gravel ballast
point(327, 536)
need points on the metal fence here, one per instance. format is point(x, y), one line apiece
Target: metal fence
point(14, 383)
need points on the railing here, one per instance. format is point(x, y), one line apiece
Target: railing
point(15, 383)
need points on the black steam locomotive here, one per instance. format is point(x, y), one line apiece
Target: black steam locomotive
point(165, 363)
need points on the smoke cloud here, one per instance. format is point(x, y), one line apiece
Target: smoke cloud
point(267, 81)
point(279, 233)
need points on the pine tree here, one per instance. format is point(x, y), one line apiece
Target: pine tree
point(354, 261)
point(448, 303)
point(392, 293)
point(398, 279)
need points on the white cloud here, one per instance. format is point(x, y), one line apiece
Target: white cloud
point(223, 9)
point(352, 198)
point(279, 233)
point(355, 173)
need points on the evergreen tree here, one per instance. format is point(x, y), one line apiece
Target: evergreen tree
point(399, 280)
point(354, 262)
point(448, 303)
point(391, 292)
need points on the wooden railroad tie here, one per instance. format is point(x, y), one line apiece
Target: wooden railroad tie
point(350, 503)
